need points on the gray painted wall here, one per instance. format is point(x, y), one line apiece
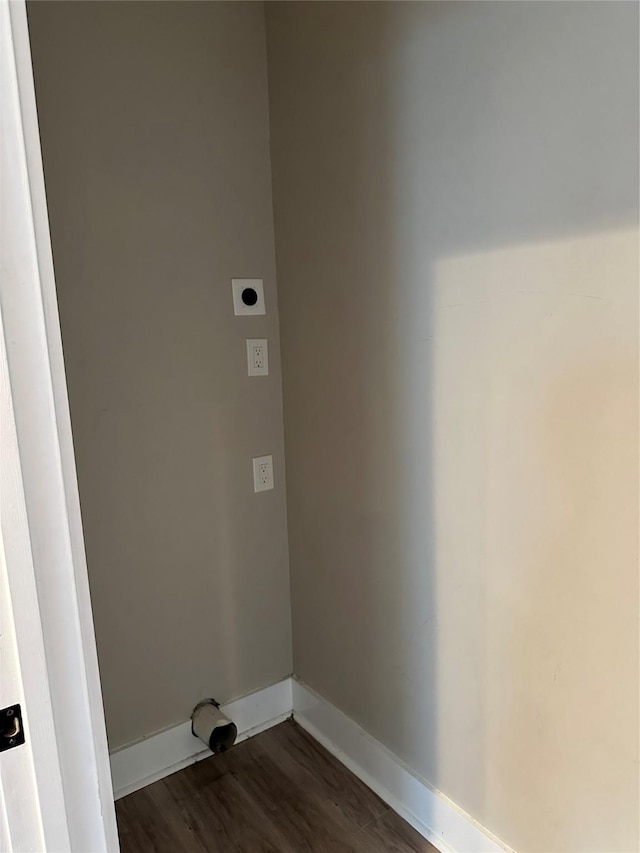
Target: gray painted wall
point(456, 211)
point(154, 127)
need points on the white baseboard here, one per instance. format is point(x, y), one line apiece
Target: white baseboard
point(159, 755)
point(435, 817)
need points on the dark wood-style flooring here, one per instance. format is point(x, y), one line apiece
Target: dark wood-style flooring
point(279, 792)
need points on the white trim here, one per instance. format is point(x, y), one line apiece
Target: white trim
point(31, 787)
point(435, 817)
point(429, 811)
point(48, 478)
point(155, 757)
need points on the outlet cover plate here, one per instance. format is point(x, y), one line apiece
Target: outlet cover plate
point(258, 357)
point(248, 296)
point(262, 473)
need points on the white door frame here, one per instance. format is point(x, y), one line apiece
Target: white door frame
point(50, 626)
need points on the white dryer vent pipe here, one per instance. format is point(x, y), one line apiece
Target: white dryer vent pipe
point(212, 727)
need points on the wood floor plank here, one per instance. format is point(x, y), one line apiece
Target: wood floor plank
point(392, 834)
point(279, 792)
point(299, 811)
point(312, 766)
point(185, 832)
point(150, 827)
point(240, 823)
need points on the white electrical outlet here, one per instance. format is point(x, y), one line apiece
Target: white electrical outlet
point(258, 357)
point(262, 473)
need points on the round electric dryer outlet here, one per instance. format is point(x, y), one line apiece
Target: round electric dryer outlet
point(248, 296)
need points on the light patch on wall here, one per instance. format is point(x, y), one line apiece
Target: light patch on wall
point(534, 355)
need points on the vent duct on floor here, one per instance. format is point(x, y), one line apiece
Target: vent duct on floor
point(212, 727)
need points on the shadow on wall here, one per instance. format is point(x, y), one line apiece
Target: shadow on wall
point(456, 206)
point(366, 603)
